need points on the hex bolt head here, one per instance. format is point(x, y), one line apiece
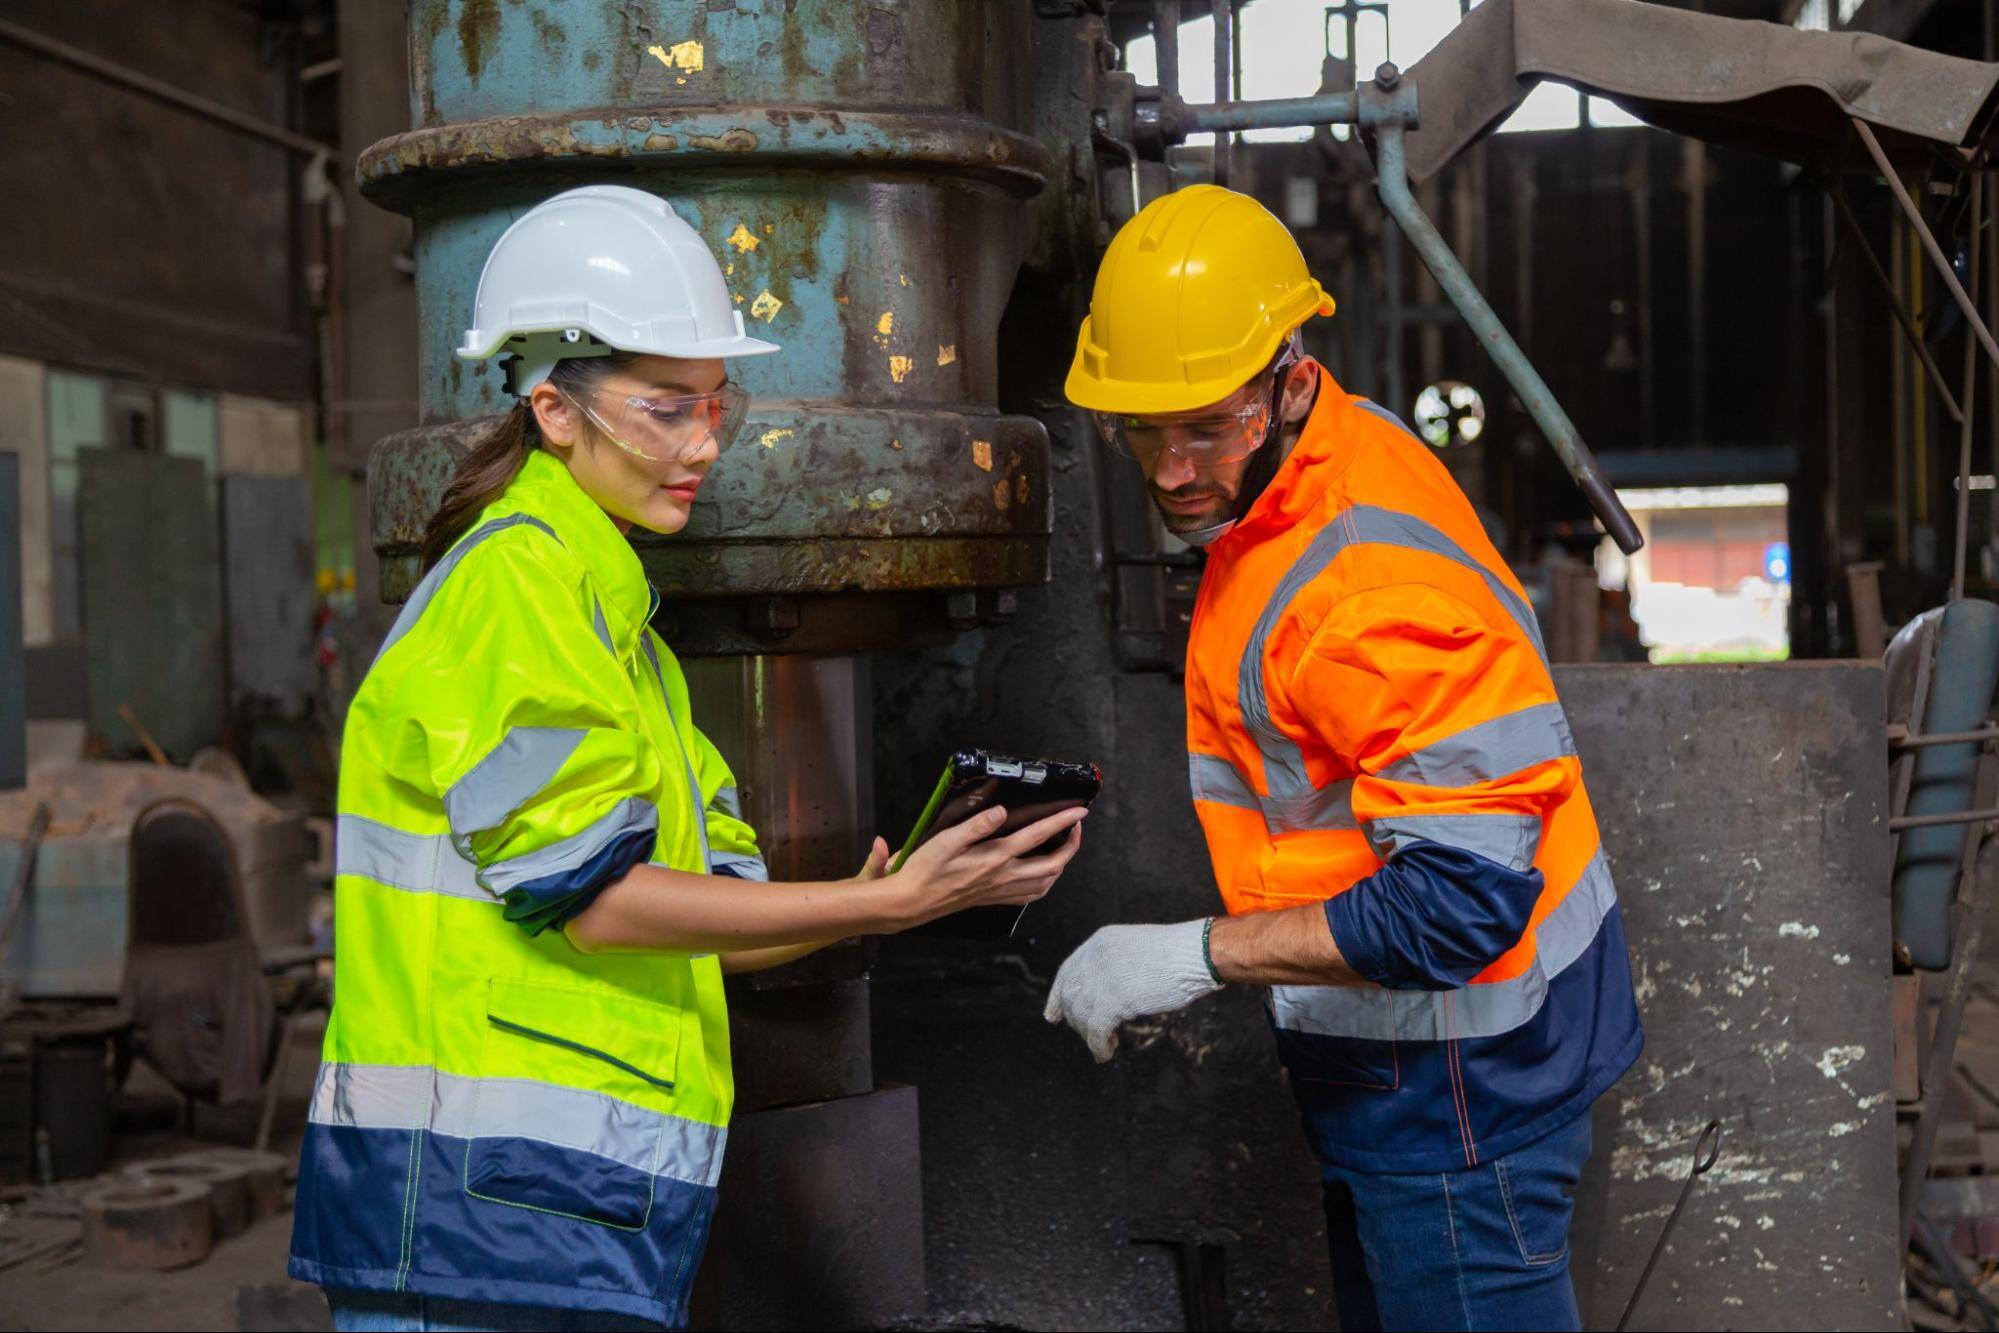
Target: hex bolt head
point(1386, 75)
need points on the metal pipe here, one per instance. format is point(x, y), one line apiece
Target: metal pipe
point(1895, 306)
point(1964, 302)
point(1220, 10)
point(1900, 822)
point(1278, 113)
point(1694, 166)
point(1943, 738)
point(1393, 184)
point(1970, 409)
point(1166, 42)
point(160, 90)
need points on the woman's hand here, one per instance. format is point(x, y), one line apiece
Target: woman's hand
point(877, 864)
point(965, 866)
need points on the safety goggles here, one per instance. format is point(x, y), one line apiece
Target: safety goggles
point(1205, 439)
point(675, 429)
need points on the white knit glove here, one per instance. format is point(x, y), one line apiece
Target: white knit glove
point(1126, 972)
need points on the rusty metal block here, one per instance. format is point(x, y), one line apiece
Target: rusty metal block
point(148, 1223)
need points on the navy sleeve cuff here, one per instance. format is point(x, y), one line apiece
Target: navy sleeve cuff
point(554, 900)
point(1432, 918)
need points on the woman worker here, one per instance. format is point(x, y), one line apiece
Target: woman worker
point(542, 872)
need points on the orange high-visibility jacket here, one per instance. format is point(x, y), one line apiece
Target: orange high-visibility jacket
point(1371, 725)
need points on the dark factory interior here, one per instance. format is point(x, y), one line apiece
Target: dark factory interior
point(1665, 324)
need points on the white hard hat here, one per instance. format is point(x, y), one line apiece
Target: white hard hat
point(600, 269)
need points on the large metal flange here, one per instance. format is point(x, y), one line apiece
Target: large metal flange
point(398, 170)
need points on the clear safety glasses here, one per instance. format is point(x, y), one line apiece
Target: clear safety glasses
point(1205, 439)
point(673, 429)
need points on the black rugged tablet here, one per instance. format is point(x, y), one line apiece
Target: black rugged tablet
point(1029, 789)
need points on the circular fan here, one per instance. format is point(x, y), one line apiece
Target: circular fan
point(1450, 415)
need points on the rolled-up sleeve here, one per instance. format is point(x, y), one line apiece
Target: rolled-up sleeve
point(732, 843)
point(1461, 749)
point(521, 713)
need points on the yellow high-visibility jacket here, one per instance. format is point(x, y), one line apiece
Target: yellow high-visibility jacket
point(498, 1116)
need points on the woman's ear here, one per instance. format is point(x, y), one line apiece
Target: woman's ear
point(556, 417)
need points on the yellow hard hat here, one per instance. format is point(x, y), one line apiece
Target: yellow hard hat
point(1195, 296)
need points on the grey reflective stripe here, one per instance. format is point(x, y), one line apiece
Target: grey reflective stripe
point(693, 783)
point(1283, 765)
point(1330, 807)
point(1376, 409)
point(508, 777)
point(412, 1097)
point(1495, 749)
point(626, 816)
point(602, 626)
point(1376, 1014)
point(744, 867)
point(414, 608)
point(1215, 779)
point(727, 801)
point(417, 862)
point(1509, 839)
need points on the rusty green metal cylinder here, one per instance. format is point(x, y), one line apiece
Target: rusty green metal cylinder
point(855, 164)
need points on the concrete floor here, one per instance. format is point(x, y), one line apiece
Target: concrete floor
point(242, 1282)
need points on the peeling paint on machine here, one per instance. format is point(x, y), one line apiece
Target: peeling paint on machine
point(877, 245)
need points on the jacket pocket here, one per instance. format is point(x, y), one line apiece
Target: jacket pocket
point(565, 1119)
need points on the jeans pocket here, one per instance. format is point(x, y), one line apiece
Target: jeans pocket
point(1538, 1211)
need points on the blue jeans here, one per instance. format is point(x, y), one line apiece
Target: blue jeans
point(1485, 1248)
point(356, 1311)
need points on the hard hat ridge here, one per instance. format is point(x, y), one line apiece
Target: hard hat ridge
point(599, 269)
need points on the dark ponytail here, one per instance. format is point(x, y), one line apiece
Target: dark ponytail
point(481, 477)
point(484, 474)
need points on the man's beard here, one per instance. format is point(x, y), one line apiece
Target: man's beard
point(1221, 506)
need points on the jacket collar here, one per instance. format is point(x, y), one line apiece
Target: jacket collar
point(544, 489)
point(1324, 449)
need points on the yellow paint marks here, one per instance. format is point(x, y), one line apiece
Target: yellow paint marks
point(686, 56)
point(886, 324)
point(1020, 488)
point(902, 278)
point(878, 499)
point(728, 270)
point(770, 438)
point(1002, 494)
point(743, 239)
point(899, 368)
point(895, 444)
point(946, 353)
point(738, 297)
point(982, 455)
point(766, 306)
point(769, 227)
point(678, 79)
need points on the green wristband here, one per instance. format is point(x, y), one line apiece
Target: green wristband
point(1207, 954)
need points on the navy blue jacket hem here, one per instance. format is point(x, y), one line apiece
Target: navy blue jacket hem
point(1498, 1145)
point(499, 1291)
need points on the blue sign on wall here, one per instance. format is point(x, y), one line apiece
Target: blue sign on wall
point(1777, 562)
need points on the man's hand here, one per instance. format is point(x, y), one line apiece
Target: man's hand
point(1126, 972)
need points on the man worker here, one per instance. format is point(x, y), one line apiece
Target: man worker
point(1386, 780)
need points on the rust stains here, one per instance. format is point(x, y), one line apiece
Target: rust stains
point(946, 353)
point(660, 143)
point(982, 455)
point(478, 24)
point(737, 140)
point(1002, 495)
